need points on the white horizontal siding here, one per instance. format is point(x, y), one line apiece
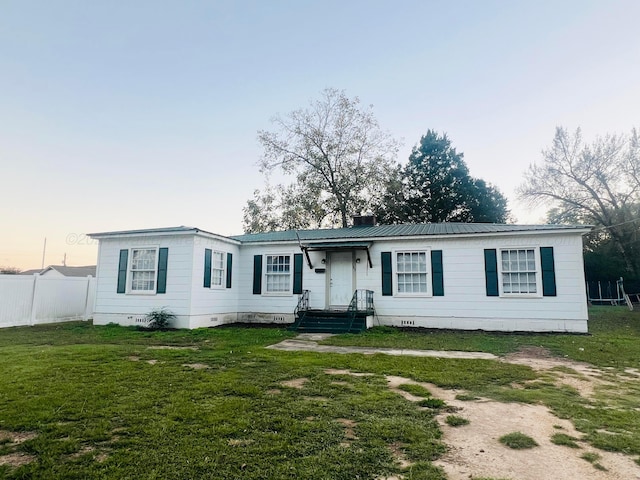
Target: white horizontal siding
point(464, 282)
point(179, 277)
point(214, 302)
point(464, 305)
point(264, 303)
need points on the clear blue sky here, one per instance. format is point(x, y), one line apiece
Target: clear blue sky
point(136, 114)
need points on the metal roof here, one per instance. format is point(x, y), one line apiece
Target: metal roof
point(408, 230)
point(360, 233)
point(179, 229)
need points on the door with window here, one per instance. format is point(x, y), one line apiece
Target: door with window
point(340, 279)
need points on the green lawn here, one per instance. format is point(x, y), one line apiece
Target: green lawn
point(613, 340)
point(102, 403)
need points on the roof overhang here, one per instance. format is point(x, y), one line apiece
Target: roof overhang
point(168, 231)
point(336, 247)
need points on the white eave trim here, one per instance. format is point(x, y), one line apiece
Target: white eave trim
point(162, 233)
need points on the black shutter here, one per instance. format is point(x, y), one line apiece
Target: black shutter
point(122, 271)
point(387, 274)
point(297, 273)
point(207, 268)
point(163, 257)
point(491, 272)
point(437, 278)
point(548, 272)
point(257, 274)
point(229, 268)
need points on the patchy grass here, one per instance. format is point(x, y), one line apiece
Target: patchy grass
point(518, 441)
point(456, 421)
point(609, 420)
point(593, 458)
point(415, 389)
point(466, 397)
point(434, 403)
point(102, 403)
point(565, 440)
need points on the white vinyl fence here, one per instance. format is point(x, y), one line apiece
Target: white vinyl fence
point(34, 299)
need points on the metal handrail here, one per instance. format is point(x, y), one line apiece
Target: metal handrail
point(302, 307)
point(362, 301)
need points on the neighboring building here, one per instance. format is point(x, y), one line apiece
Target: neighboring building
point(63, 271)
point(450, 275)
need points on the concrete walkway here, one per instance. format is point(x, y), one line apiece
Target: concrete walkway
point(308, 342)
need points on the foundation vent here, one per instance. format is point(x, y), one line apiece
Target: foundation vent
point(407, 323)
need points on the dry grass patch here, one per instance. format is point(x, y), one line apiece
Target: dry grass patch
point(295, 383)
point(196, 366)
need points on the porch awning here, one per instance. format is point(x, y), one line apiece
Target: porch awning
point(336, 247)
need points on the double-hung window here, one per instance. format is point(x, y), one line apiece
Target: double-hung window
point(519, 272)
point(217, 270)
point(143, 270)
point(411, 273)
point(278, 274)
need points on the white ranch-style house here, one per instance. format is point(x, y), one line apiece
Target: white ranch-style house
point(450, 275)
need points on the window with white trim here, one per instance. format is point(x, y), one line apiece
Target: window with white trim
point(278, 274)
point(217, 269)
point(518, 271)
point(411, 273)
point(143, 270)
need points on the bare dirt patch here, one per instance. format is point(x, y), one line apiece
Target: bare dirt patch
point(240, 442)
point(316, 398)
point(152, 361)
point(196, 366)
point(133, 358)
point(16, 437)
point(399, 455)
point(334, 371)
point(474, 450)
point(16, 460)
point(584, 378)
point(170, 347)
point(349, 428)
point(273, 391)
point(295, 383)
point(83, 451)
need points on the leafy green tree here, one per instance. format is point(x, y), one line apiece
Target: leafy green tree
point(339, 159)
point(435, 186)
point(596, 184)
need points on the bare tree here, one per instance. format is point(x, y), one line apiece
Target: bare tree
point(597, 183)
point(339, 158)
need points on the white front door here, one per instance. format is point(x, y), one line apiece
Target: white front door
point(340, 279)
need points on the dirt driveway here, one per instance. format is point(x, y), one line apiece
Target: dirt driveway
point(474, 450)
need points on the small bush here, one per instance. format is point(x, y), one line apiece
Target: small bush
point(456, 421)
point(518, 441)
point(160, 318)
point(564, 439)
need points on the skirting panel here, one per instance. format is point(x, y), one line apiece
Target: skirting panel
point(488, 324)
